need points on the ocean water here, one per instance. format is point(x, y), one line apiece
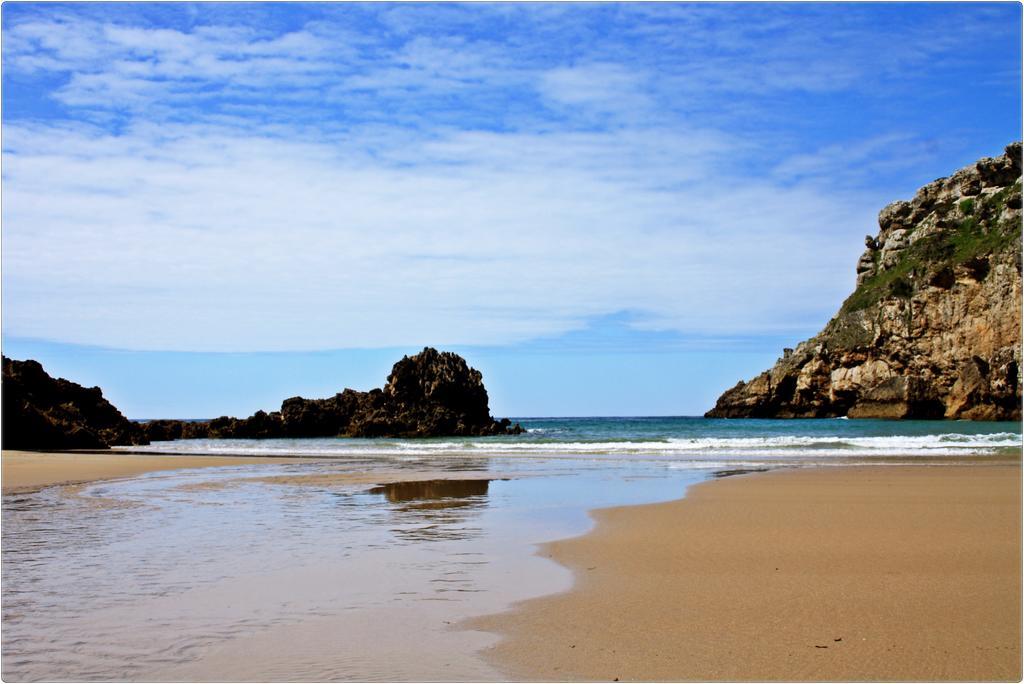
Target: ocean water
point(359, 559)
point(686, 442)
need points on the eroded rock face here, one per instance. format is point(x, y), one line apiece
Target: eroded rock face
point(41, 412)
point(933, 329)
point(431, 394)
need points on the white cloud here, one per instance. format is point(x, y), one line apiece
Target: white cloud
point(127, 67)
point(197, 237)
point(435, 174)
point(603, 85)
point(859, 160)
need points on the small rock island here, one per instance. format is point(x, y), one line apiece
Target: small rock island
point(430, 394)
point(933, 329)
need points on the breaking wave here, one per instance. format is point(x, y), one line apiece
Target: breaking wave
point(541, 443)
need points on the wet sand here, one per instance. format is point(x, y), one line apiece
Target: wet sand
point(264, 580)
point(876, 573)
point(27, 471)
point(389, 481)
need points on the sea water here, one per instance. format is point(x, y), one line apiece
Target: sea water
point(686, 442)
point(335, 567)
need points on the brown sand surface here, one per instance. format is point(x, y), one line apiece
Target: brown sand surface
point(871, 573)
point(25, 471)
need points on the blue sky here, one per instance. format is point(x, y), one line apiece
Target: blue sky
point(611, 209)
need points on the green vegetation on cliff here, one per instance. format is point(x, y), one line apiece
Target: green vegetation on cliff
point(933, 328)
point(931, 259)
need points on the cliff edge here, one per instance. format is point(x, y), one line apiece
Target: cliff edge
point(933, 329)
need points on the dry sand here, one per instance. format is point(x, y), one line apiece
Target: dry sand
point(879, 573)
point(25, 471)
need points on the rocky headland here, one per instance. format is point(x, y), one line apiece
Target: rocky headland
point(41, 412)
point(430, 394)
point(933, 328)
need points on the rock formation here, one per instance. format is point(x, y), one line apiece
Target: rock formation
point(933, 329)
point(431, 394)
point(40, 412)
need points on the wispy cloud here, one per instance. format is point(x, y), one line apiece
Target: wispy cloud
point(269, 242)
point(308, 177)
point(855, 163)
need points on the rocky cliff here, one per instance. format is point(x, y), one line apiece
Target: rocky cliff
point(933, 329)
point(41, 412)
point(430, 394)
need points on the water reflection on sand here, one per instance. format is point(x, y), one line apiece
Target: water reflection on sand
point(323, 571)
point(441, 493)
point(434, 510)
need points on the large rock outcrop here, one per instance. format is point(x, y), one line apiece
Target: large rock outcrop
point(933, 329)
point(431, 394)
point(41, 412)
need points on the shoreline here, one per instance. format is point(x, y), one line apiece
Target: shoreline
point(24, 472)
point(802, 574)
point(796, 574)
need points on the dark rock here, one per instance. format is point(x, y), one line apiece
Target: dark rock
point(41, 412)
point(167, 430)
point(431, 394)
point(943, 279)
point(970, 187)
point(163, 430)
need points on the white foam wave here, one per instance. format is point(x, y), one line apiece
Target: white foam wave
point(699, 448)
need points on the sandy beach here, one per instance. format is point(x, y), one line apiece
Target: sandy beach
point(27, 471)
point(876, 573)
point(803, 574)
